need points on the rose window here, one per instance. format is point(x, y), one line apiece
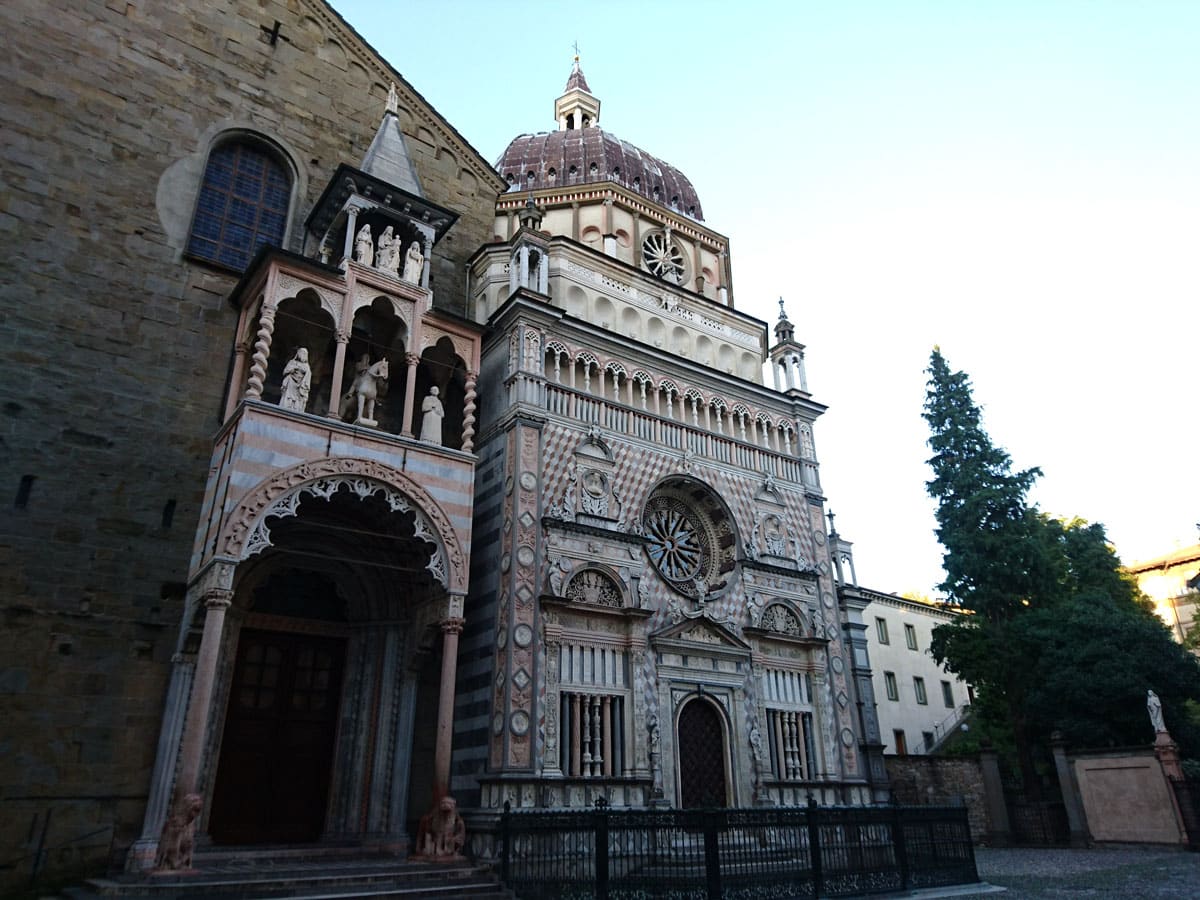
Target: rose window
point(690, 538)
point(676, 546)
point(663, 257)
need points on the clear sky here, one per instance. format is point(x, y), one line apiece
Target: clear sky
point(1017, 182)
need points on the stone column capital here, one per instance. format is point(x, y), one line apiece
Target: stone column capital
point(342, 335)
point(217, 598)
point(452, 625)
point(412, 359)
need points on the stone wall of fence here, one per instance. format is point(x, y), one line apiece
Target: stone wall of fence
point(942, 780)
point(1126, 797)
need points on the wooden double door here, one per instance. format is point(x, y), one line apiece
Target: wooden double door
point(702, 760)
point(280, 727)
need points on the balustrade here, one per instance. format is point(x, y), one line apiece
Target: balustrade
point(620, 418)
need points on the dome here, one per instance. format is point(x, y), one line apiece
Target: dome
point(590, 155)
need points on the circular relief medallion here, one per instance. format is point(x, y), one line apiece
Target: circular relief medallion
point(523, 636)
point(827, 599)
point(528, 481)
point(847, 737)
point(595, 483)
point(519, 723)
point(819, 537)
point(837, 665)
point(525, 556)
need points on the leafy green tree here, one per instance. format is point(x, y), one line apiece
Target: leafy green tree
point(1060, 638)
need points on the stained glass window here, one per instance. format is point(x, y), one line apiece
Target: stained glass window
point(243, 204)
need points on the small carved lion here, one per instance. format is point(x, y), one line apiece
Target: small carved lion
point(179, 834)
point(442, 832)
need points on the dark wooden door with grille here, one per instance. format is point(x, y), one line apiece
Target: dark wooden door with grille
point(277, 750)
point(701, 756)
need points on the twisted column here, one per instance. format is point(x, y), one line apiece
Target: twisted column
point(262, 352)
point(468, 429)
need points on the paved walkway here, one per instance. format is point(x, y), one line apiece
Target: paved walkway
point(1044, 874)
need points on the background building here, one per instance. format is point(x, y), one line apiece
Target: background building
point(919, 703)
point(593, 562)
point(1172, 582)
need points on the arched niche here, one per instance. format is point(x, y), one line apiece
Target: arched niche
point(604, 313)
point(443, 368)
point(681, 342)
point(726, 359)
point(656, 332)
point(379, 333)
point(631, 322)
point(302, 321)
point(576, 301)
point(703, 351)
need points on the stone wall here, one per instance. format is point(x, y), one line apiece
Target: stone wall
point(938, 780)
point(116, 349)
point(1126, 797)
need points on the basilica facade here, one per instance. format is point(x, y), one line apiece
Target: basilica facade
point(401, 476)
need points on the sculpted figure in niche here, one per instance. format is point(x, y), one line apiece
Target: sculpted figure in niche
point(442, 832)
point(297, 380)
point(431, 419)
point(364, 251)
point(413, 262)
point(388, 257)
point(1154, 708)
point(179, 835)
point(364, 391)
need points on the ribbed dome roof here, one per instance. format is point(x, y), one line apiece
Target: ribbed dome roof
point(589, 155)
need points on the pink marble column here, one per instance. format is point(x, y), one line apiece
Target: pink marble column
point(339, 371)
point(187, 804)
point(451, 629)
point(237, 381)
point(410, 394)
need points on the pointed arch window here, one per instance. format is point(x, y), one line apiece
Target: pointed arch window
point(243, 204)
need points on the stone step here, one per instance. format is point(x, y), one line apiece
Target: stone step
point(323, 879)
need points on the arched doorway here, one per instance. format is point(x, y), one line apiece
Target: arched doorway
point(327, 677)
point(701, 743)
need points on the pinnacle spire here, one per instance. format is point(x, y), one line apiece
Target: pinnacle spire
point(576, 81)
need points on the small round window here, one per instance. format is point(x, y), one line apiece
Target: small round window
point(663, 257)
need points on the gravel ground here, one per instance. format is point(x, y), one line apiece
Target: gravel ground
point(1133, 874)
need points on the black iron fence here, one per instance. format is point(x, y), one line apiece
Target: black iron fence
point(692, 854)
point(1187, 796)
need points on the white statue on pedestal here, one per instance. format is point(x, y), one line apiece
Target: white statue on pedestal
point(364, 252)
point(297, 380)
point(1154, 708)
point(431, 421)
point(414, 262)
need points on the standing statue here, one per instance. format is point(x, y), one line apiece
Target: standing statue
point(364, 391)
point(414, 262)
point(431, 420)
point(297, 380)
point(388, 256)
point(1154, 708)
point(364, 251)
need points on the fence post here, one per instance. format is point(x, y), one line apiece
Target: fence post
point(506, 843)
point(712, 857)
point(901, 847)
point(601, 848)
point(814, 847)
